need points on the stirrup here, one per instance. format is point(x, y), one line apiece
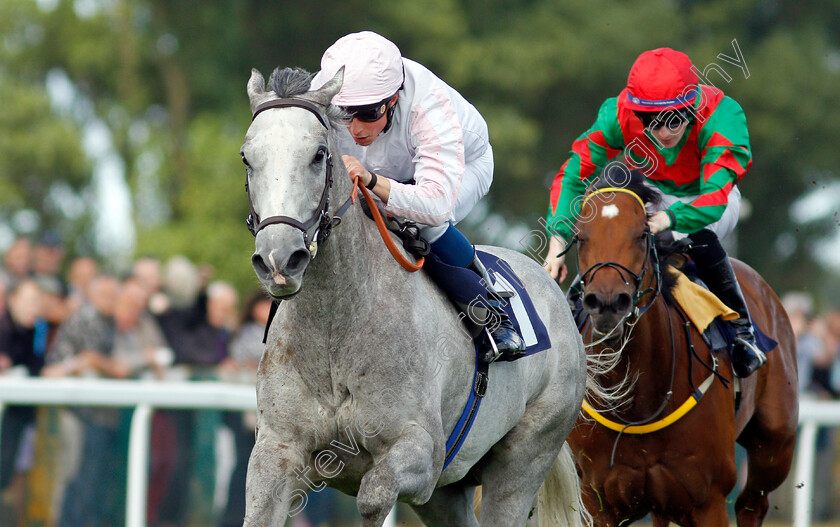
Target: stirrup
point(492, 354)
point(477, 266)
point(748, 358)
point(515, 343)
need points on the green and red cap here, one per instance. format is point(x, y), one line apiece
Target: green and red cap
point(661, 79)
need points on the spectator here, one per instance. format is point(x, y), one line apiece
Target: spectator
point(47, 256)
point(139, 342)
point(83, 346)
point(23, 331)
point(199, 334)
point(147, 271)
point(246, 349)
point(56, 305)
point(82, 270)
point(818, 385)
point(18, 260)
point(809, 345)
point(823, 362)
point(182, 309)
point(3, 290)
point(181, 282)
point(23, 338)
point(84, 342)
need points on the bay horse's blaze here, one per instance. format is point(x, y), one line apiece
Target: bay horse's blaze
point(681, 472)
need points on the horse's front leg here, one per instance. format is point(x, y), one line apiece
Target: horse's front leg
point(406, 470)
point(277, 482)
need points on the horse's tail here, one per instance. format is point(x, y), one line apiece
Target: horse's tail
point(559, 501)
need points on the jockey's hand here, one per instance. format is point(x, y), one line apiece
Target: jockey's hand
point(554, 264)
point(382, 187)
point(355, 169)
point(659, 221)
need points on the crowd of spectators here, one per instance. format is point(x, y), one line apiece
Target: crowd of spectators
point(818, 361)
point(161, 320)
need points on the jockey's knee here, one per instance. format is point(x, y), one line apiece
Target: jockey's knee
point(705, 248)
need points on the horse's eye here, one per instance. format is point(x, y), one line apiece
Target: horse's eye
point(244, 159)
point(319, 155)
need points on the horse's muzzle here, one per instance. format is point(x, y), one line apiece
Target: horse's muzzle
point(607, 310)
point(280, 266)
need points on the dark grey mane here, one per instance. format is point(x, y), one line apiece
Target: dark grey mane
point(290, 82)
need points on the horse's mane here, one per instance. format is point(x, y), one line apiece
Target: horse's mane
point(289, 82)
point(634, 181)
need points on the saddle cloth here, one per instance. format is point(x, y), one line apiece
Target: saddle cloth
point(699, 304)
point(519, 307)
point(708, 313)
point(463, 287)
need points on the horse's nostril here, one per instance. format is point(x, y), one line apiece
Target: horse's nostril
point(591, 302)
point(622, 302)
point(260, 266)
point(297, 261)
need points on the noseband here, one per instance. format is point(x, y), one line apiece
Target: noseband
point(651, 260)
point(318, 227)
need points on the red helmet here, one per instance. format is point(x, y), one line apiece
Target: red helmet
point(661, 79)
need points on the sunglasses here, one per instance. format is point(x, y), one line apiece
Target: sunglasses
point(368, 113)
point(673, 119)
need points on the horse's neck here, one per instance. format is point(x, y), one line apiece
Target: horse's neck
point(342, 271)
point(648, 357)
point(352, 276)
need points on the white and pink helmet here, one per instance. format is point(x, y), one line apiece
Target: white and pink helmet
point(373, 69)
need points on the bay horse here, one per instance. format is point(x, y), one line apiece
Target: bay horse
point(655, 452)
point(366, 369)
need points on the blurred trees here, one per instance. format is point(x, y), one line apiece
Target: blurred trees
point(42, 166)
point(168, 79)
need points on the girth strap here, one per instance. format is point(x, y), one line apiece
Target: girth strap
point(665, 422)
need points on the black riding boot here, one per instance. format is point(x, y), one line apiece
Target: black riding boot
point(505, 336)
point(746, 357)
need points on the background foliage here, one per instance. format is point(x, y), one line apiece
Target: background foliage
point(167, 79)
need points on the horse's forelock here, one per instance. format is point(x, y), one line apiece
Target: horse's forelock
point(290, 82)
point(635, 183)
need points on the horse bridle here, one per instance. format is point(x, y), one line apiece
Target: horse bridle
point(319, 226)
point(651, 260)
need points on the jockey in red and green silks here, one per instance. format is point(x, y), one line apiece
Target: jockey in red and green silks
point(692, 143)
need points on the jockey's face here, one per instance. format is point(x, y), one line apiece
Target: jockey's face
point(364, 131)
point(667, 126)
point(669, 137)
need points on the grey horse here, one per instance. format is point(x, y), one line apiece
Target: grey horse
point(367, 370)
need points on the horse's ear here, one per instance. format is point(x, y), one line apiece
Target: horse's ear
point(256, 88)
point(325, 93)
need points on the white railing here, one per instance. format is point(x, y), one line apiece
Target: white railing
point(812, 416)
point(147, 396)
point(144, 397)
